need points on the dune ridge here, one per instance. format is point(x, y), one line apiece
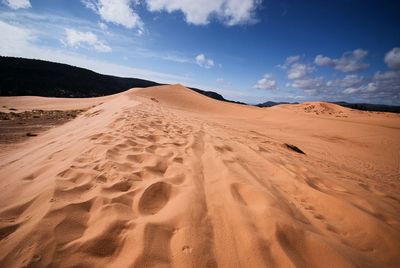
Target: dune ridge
point(165, 177)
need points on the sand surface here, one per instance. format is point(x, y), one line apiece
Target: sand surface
point(165, 177)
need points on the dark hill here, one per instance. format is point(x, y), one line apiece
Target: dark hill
point(273, 103)
point(23, 77)
point(357, 106)
point(370, 107)
point(20, 77)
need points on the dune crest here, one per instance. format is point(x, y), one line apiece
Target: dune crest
point(165, 177)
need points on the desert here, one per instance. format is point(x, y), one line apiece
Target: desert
point(199, 134)
point(164, 176)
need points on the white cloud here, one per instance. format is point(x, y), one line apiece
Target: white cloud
point(17, 4)
point(292, 59)
point(323, 61)
point(55, 26)
point(103, 26)
point(368, 88)
point(311, 91)
point(76, 39)
point(298, 70)
point(204, 62)
point(348, 87)
point(382, 87)
point(388, 82)
point(387, 75)
point(267, 82)
point(371, 87)
point(392, 58)
point(20, 42)
point(289, 61)
point(351, 90)
point(231, 12)
point(13, 38)
point(117, 12)
point(91, 4)
point(308, 83)
point(350, 80)
point(349, 62)
point(122, 12)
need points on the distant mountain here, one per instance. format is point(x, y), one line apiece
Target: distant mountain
point(357, 106)
point(21, 77)
point(211, 94)
point(215, 95)
point(272, 103)
point(370, 107)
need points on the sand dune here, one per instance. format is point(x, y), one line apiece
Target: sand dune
point(165, 177)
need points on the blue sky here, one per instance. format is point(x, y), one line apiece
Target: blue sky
point(247, 50)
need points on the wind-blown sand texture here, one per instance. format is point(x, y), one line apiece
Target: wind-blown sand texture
point(163, 176)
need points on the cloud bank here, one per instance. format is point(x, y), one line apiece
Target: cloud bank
point(392, 58)
point(230, 12)
point(266, 82)
point(118, 12)
point(22, 42)
point(351, 61)
point(17, 4)
point(200, 12)
point(75, 38)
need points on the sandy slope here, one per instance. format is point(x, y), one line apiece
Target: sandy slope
point(165, 177)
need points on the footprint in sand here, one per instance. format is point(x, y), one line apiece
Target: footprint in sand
point(154, 198)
